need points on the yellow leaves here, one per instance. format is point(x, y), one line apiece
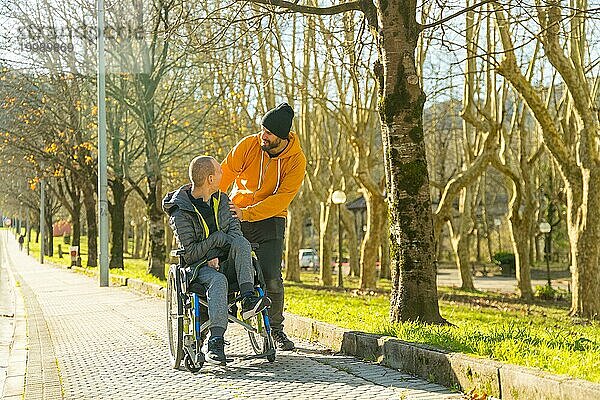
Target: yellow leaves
point(51, 149)
point(474, 395)
point(88, 160)
point(174, 121)
point(87, 145)
point(33, 183)
point(95, 110)
point(186, 123)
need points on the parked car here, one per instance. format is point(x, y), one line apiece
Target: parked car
point(309, 259)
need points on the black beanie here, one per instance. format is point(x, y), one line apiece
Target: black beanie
point(279, 120)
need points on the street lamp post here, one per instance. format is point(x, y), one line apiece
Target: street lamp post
point(545, 228)
point(102, 153)
point(42, 218)
point(339, 197)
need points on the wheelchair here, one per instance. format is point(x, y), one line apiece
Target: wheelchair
point(187, 326)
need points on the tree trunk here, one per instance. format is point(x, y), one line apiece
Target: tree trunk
point(522, 232)
point(76, 223)
point(49, 239)
point(169, 241)
point(384, 260)
point(117, 217)
point(584, 234)
point(576, 156)
point(137, 240)
point(293, 239)
point(353, 245)
point(92, 227)
point(412, 248)
point(325, 239)
point(460, 244)
point(156, 226)
point(370, 245)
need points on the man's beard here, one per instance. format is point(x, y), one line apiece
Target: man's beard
point(271, 145)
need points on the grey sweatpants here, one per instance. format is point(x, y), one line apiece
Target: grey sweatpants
point(215, 282)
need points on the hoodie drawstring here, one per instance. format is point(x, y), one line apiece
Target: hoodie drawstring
point(261, 172)
point(278, 175)
point(260, 176)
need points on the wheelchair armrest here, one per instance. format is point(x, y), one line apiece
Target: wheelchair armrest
point(254, 246)
point(177, 252)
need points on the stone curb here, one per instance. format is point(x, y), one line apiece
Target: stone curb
point(145, 287)
point(500, 380)
point(504, 381)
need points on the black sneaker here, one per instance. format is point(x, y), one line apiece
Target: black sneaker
point(282, 342)
point(252, 305)
point(216, 351)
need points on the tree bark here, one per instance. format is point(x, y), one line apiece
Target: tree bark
point(353, 245)
point(578, 160)
point(461, 241)
point(156, 226)
point(370, 244)
point(293, 239)
point(49, 239)
point(412, 248)
point(325, 239)
point(583, 220)
point(89, 203)
point(117, 218)
point(384, 260)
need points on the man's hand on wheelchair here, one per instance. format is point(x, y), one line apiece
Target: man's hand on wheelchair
point(235, 210)
point(214, 263)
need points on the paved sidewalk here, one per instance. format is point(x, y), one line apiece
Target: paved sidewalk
point(87, 342)
point(7, 322)
point(451, 277)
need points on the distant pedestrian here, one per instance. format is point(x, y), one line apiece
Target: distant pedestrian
point(21, 241)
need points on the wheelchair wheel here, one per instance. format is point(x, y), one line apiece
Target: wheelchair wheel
point(174, 317)
point(190, 366)
point(261, 341)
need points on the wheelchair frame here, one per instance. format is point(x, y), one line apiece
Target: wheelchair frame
point(186, 330)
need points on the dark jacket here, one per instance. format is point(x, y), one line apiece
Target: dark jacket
point(190, 232)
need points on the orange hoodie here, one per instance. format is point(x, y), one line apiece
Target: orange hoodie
point(264, 186)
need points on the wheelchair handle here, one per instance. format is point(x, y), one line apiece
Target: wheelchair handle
point(180, 252)
point(177, 252)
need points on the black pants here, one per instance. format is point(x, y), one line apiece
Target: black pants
point(270, 234)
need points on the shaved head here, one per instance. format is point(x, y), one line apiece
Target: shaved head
point(200, 169)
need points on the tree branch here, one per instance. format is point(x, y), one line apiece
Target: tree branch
point(456, 14)
point(337, 9)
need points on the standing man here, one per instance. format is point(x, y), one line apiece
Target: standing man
point(268, 169)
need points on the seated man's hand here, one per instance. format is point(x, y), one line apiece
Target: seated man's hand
point(214, 263)
point(222, 239)
point(235, 210)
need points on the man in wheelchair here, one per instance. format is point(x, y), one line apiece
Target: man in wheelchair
point(210, 237)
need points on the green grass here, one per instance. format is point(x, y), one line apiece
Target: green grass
point(487, 324)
